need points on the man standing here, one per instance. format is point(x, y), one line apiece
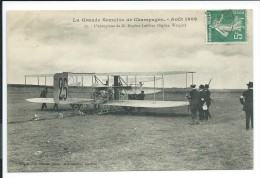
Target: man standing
point(246, 99)
point(194, 98)
point(202, 101)
point(44, 95)
point(208, 101)
point(55, 107)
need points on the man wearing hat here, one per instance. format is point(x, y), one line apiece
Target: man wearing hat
point(207, 100)
point(44, 95)
point(194, 98)
point(246, 99)
point(202, 101)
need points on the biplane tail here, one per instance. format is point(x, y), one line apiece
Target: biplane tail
point(60, 91)
point(60, 86)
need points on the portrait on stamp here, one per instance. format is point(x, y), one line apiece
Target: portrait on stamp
point(226, 26)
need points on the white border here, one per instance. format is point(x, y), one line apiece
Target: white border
point(141, 5)
point(128, 5)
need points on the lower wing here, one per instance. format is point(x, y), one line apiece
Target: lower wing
point(67, 101)
point(41, 100)
point(147, 103)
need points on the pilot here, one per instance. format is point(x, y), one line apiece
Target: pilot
point(246, 99)
point(44, 95)
point(55, 107)
point(194, 98)
point(141, 96)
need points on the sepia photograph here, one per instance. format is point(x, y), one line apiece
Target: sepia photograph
point(129, 90)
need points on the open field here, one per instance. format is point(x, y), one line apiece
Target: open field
point(149, 140)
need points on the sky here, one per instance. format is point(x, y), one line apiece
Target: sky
point(48, 42)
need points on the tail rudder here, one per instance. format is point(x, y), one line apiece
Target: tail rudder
point(60, 87)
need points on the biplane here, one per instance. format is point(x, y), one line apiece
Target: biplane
point(109, 90)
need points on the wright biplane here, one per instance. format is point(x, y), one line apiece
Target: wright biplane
point(123, 90)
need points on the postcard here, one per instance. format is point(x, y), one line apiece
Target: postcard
point(129, 90)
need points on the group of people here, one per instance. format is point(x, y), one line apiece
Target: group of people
point(200, 102)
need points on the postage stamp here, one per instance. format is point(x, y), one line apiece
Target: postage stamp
point(226, 26)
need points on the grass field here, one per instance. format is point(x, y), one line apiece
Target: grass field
point(150, 140)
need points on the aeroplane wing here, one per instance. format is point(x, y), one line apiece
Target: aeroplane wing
point(147, 103)
point(146, 90)
point(143, 73)
point(41, 100)
point(67, 101)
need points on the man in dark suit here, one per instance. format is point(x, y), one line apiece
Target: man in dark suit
point(44, 95)
point(202, 101)
point(246, 99)
point(194, 98)
point(208, 101)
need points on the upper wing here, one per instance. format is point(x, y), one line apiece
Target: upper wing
point(147, 103)
point(67, 101)
point(144, 73)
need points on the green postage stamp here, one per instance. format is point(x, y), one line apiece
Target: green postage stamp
point(226, 26)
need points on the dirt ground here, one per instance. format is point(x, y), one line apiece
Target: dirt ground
point(153, 139)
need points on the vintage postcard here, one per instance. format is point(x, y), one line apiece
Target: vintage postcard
point(129, 90)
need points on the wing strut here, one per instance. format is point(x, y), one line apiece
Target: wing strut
point(186, 80)
point(154, 88)
point(135, 83)
point(25, 87)
point(163, 87)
